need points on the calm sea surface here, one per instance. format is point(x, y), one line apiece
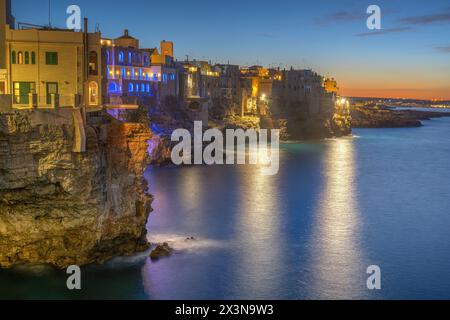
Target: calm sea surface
point(381, 197)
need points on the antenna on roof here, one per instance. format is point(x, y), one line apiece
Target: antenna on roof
point(49, 14)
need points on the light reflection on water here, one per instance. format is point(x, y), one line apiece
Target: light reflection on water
point(336, 253)
point(335, 207)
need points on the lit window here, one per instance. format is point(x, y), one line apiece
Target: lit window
point(130, 87)
point(129, 57)
point(124, 73)
point(142, 87)
point(20, 57)
point(121, 57)
point(148, 87)
point(112, 87)
point(164, 77)
point(93, 93)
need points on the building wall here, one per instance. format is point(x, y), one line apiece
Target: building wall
point(69, 73)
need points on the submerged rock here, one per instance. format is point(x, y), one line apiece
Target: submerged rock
point(161, 250)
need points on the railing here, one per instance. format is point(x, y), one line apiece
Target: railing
point(112, 101)
point(31, 100)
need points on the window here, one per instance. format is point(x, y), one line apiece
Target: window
point(142, 87)
point(124, 73)
point(13, 57)
point(33, 57)
point(93, 93)
point(51, 58)
point(137, 87)
point(52, 88)
point(20, 57)
point(22, 92)
point(130, 87)
point(107, 56)
point(113, 87)
point(27, 57)
point(121, 57)
point(164, 77)
point(2, 87)
point(148, 87)
point(93, 63)
point(129, 57)
point(132, 74)
point(140, 74)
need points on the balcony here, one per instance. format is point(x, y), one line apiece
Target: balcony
point(121, 102)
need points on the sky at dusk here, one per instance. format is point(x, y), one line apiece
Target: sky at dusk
point(409, 57)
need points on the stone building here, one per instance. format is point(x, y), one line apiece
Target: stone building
point(46, 68)
point(137, 76)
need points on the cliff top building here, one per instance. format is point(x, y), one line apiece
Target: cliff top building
point(134, 75)
point(6, 18)
point(47, 68)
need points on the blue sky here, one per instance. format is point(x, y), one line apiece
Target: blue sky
point(410, 56)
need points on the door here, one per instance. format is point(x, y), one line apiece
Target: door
point(22, 91)
point(2, 87)
point(52, 88)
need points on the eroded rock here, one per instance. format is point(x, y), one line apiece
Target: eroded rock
point(59, 207)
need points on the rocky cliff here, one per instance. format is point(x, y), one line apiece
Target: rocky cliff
point(60, 207)
point(373, 116)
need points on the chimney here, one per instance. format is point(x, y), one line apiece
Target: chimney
point(125, 32)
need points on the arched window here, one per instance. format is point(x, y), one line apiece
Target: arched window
point(13, 57)
point(93, 58)
point(121, 57)
point(27, 57)
point(130, 87)
point(107, 56)
point(137, 87)
point(33, 57)
point(130, 60)
point(140, 74)
point(93, 93)
point(20, 57)
point(124, 73)
point(132, 73)
point(142, 87)
point(148, 87)
point(112, 87)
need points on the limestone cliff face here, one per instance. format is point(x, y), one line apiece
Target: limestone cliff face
point(59, 207)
